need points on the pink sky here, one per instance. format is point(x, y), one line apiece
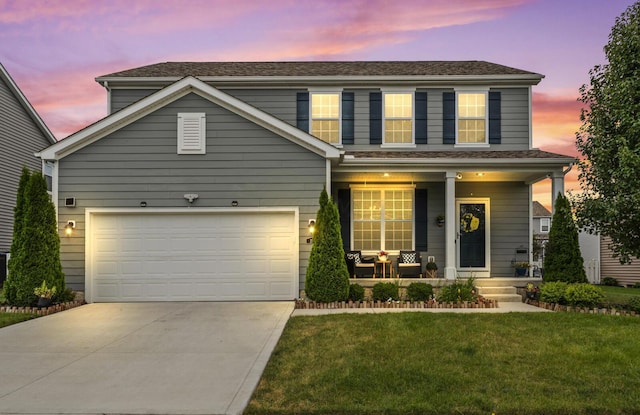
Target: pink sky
point(55, 48)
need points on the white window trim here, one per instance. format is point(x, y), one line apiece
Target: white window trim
point(327, 92)
point(412, 144)
point(548, 225)
point(484, 91)
point(382, 188)
point(202, 133)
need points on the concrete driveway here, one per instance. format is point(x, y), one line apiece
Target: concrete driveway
point(139, 358)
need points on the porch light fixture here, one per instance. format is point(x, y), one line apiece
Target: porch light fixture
point(479, 174)
point(69, 227)
point(385, 175)
point(312, 229)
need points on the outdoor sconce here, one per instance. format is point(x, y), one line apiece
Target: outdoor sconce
point(312, 229)
point(69, 227)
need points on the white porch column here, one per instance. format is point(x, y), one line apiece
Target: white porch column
point(450, 225)
point(557, 186)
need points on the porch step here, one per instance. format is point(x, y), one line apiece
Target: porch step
point(502, 294)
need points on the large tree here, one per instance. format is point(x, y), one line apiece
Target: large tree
point(327, 277)
point(563, 259)
point(609, 140)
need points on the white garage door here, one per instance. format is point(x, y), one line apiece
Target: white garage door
point(187, 256)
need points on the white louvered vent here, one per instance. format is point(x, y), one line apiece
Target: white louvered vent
point(192, 137)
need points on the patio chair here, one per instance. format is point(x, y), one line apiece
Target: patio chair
point(409, 264)
point(358, 265)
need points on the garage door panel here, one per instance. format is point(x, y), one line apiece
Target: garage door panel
point(185, 256)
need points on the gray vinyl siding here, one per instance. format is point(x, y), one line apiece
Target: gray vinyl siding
point(139, 162)
point(509, 205)
point(281, 103)
point(20, 138)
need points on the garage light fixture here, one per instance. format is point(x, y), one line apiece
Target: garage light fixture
point(312, 229)
point(69, 227)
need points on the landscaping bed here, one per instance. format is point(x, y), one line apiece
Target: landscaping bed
point(43, 311)
point(481, 302)
point(594, 310)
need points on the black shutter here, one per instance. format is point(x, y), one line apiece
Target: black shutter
point(302, 111)
point(347, 118)
point(375, 118)
point(495, 115)
point(448, 118)
point(344, 209)
point(421, 118)
point(421, 219)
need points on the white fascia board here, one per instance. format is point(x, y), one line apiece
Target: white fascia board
point(4, 75)
point(171, 93)
point(456, 162)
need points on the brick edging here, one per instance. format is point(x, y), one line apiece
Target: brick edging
point(587, 310)
point(44, 311)
point(480, 303)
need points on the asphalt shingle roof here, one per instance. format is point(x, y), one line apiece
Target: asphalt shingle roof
point(313, 68)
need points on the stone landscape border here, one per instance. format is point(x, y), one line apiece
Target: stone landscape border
point(479, 303)
point(44, 311)
point(571, 309)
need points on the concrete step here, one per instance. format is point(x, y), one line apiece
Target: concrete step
point(505, 282)
point(504, 298)
point(501, 293)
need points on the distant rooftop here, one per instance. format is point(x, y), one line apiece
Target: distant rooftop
point(539, 210)
point(321, 69)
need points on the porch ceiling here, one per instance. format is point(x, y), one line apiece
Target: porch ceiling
point(393, 175)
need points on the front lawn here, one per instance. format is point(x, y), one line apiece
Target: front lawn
point(426, 363)
point(7, 319)
point(619, 296)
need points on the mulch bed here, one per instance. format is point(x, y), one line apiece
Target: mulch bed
point(44, 311)
point(479, 303)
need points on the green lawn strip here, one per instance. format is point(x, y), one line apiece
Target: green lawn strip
point(7, 319)
point(426, 363)
point(616, 296)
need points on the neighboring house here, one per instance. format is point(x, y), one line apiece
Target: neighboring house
point(599, 261)
point(22, 134)
point(201, 182)
point(541, 227)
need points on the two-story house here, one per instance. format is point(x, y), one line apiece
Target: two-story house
point(22, 134)
point(201, 182)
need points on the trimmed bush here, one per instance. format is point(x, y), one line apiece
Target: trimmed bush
point(563, 259)
point(634, 304)
point(636, 285)
point(417, 291)
point(610, 281)
point(583, 295)
point(458, 291)
point(553, 292)
point(384, 291)
point(327, 278)
point(356, 292)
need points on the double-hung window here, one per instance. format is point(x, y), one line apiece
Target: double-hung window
point(472, 117)
point(398, 117)
point(325, 116)
point(545, 225)
point(383, 219)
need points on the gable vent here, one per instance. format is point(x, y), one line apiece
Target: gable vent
point(192, 133)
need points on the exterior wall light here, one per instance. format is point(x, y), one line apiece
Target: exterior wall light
point(312, 229)
point(69, 227)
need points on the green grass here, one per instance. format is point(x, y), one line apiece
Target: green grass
point(616, 296)
point(427, 363)
point(7, 319)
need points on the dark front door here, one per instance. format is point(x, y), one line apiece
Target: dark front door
point(473, 243)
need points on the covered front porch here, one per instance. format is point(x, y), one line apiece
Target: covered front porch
point(470, 211)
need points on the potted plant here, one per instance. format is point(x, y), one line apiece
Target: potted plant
point(382, 255)
point(440, 220)
point(532, 291)
point(44, 294)
point(521, 268)
point(431, 268)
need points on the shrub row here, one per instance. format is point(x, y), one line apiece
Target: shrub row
point(578, 295)
point(416, 291)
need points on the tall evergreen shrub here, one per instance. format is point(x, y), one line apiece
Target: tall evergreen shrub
point(327, 276)
point(563, 260)
point(37, 255)
point(18, 220)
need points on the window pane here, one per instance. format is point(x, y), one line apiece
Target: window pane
point(398, 106)
point(326, 130)
point(471, 105)
point(366, 205)
point(366, 236)
point(325, 105)
point(398, 131)
point(398, 235)
point(471, 131)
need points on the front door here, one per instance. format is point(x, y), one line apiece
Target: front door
point(473, 237)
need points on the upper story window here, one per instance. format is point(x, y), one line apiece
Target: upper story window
point(398, 118)
point(545, 224)
point(325, 116)
point(472, 117)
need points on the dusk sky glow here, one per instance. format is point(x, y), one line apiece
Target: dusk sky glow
point(55, 48)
